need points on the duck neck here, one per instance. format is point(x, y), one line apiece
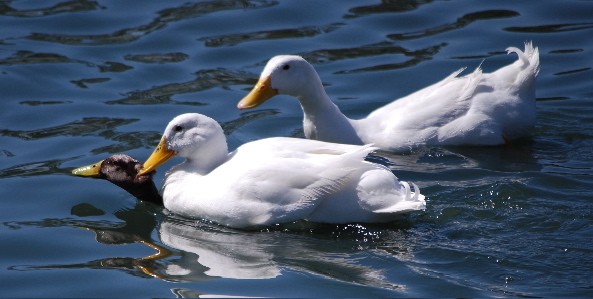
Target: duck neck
point(147, 191)
point(142, 187)
point(323, 120)
point(209, 156)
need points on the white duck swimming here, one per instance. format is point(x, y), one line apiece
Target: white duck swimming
point(477, 109)
point(274, 180)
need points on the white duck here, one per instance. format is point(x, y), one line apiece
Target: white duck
point(477, 109)
point(274, 180)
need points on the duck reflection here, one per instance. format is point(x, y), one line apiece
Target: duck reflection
point(228, 253)
point(518, 157)
point(195, 251)
point(198, 250)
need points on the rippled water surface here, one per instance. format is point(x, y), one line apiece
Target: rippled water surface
point(81, 80)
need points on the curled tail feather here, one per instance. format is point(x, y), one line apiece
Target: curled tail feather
point(529, 57)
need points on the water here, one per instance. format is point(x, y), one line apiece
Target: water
point(81, 80)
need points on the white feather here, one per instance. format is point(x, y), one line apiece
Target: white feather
point(477, 109)
point(277, 180)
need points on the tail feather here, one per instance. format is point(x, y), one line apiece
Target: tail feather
point(529, 57)
point(413, 202)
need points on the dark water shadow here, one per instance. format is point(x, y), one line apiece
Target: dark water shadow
point(235, 39)
point(459, 23)
point(38, 168)
point(136, 227)
point(386, 6)
point(28, 57)
point(105, 128)
point(60, 8)
point(186, 11)
point(92, 126)
point(86, 126)
point(158, 58)
point(384, 48)
point(206, 79)
point(245, 118)
point(555, 28)
point(417, 57)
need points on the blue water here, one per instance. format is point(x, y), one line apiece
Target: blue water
point(81, 80)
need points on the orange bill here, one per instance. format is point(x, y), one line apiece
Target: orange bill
point(262, 92)
point(159, 156)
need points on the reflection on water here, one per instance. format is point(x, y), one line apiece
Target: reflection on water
point(194, 251)
point(455, 160)
point(137, 226)
point(259, 255)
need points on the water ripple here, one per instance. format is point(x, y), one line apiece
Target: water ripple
point(460, 23)
point(235, 39)
point(186, 11)
point(76, 128)
point(82, 83)
point(384, 48)
point(28, 57)
point(572, 71)
point(386, 6)
point(114, 67)
point(48, 167)
point(157, 58)
point(246, 117)
point(127, 141)
point(207, 79)
point(551, 28)
point(64, 7)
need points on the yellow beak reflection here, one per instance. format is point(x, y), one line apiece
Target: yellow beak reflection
point(93, 170)
point(159, 156)
point(262, 92)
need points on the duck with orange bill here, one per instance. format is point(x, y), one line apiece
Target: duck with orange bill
point(274, 180)
point(477, 109)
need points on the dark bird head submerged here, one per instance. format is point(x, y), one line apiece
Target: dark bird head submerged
point(122, 170)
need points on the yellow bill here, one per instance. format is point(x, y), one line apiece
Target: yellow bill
point(262, 92)
point(159, 156)
point(93, 170)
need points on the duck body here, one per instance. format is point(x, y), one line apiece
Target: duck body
point(275, 180)
point(476, 109)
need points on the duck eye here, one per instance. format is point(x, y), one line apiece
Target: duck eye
point(178, 128)
point(286, 67)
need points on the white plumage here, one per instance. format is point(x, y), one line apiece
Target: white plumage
point(274, 180)
point(477, 109)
